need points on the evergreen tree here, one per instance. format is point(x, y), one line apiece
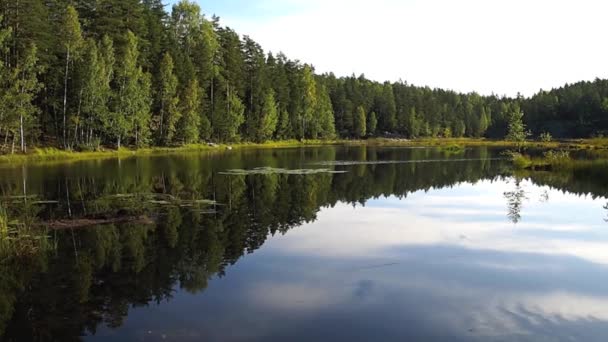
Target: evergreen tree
point(167, 95)
point(269, 118)
point(256, 88)
point(360, 123)
point(413, 124)
point(516, 129)
point(190, 109)
point(228, 117)
point(372, 123)
point(483, 122)
point(309, 123)
point(325, 112)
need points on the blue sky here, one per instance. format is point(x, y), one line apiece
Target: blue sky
point(488, 46)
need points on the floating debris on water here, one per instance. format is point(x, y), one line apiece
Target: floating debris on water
point(273, 170)
point(382, 162)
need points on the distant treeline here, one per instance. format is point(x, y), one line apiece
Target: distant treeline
point(84, 73)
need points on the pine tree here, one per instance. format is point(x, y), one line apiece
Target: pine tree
point(256, 88)
point(325, 113)
point(310, 126)
point(372, 123)
point(228, 116)
point(284, 127)
point(143, 106)
point(413, 123)
point(517, 129)
point(167, 95)
point(360, 123)
point(483, 122)
point(269, 118)
point(190, 109)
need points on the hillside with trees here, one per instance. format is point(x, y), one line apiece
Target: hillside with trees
point(79, 74)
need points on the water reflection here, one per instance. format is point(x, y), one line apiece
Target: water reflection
point(515, 201)
point(392, 249)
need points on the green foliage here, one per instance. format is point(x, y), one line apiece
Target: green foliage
point(269, 119)
point(131, 114)
point(452, 148)
point(360, 123)
point(228, 117)
point(516, 129)
point(557, 157)
point(546, 137)
point(167, 95)
point(190, 111)
point(372, 123)
point(114, 72)
point(520, 161)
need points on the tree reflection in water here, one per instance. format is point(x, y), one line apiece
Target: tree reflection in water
point(201, 222)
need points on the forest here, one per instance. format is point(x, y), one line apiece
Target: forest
point(81, 74)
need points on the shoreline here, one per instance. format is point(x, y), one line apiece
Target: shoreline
point(50, 154)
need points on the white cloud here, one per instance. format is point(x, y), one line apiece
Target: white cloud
point(427, 219)
point(481, 45)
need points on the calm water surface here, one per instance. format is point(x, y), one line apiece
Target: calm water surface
point(328, 243)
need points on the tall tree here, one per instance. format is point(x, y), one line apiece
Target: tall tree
point(516, 129)
point(190, 109)
point(72, 41)
point(131, 114)
point(228, 116)
point(372, 123)
point(309, 124)
point(360, 123)
point(269, 118)
point(24, 87)
point(167, 95)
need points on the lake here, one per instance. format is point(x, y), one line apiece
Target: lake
point(300, 244)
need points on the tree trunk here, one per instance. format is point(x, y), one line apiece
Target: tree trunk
point(162, 119)
point(23, 148)
point(65, 95)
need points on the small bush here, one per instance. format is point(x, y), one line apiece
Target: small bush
point(546, 137)
point(557, 157)
point(519, 160)
point(452, 148)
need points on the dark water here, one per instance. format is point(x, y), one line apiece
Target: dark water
point(360, 244)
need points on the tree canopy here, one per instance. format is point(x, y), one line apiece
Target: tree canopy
point(121, 72)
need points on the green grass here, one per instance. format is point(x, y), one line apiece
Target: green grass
point(452, 148)
point(50, 154)
point(20, 240)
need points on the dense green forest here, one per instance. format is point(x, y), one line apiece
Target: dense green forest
point(79, 74)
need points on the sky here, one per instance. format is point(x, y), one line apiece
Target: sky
point(488, 46)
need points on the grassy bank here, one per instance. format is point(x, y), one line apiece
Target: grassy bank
point(54, 154)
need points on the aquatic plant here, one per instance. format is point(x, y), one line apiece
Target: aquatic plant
point(272, 170)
